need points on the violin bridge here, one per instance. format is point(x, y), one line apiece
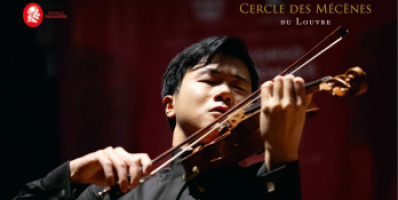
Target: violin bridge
point(223, 126)
point(236, 118)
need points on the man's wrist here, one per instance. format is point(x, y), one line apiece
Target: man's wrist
point(274, 161)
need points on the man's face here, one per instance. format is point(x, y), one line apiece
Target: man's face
point(207, 91)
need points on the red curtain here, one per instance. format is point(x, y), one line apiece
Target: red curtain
point(116, 53)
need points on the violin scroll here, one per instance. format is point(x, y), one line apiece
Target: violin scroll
point(352, 82)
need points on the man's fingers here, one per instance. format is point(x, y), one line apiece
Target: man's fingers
point(278, 89)
point(110, 166)
point(120, 166)
point(146, 163)
point(106, 166)
point(139, 165)
point(135, 173)
point(299, 89)
point(289, 90)
point(134, 166)
point(266, 89)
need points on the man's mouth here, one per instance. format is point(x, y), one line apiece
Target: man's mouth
point(219, 109)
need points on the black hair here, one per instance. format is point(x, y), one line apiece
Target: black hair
point(209, 47)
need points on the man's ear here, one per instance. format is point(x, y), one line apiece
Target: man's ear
point(168, 105)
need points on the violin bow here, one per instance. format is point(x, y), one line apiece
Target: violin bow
point(290, 70)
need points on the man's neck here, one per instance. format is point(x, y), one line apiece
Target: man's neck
point(178, 137)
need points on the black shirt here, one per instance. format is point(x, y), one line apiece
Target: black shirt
point(232, 182)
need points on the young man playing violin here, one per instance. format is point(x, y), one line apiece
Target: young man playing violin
point(200, 84)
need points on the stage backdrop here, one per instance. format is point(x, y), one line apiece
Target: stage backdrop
point(110, 57)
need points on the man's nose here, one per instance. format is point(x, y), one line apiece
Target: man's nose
point(224, 94)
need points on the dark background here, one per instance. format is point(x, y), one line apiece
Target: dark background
point(72, 86)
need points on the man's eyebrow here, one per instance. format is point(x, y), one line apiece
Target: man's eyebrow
point(216, 71)
point(241, 78)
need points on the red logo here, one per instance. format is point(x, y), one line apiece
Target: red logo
point(33, 15)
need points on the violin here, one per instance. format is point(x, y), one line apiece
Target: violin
point(239, 135)
point(238, 128)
